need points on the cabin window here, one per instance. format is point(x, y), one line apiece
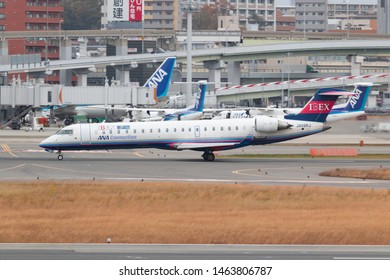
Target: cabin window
point(174, 130)
point(236, 127)
point(213, 128)
point(119, 132)
point(159, 130)
point(167, 130)
point(229, 128)
point(127, 131)
point(65, 132)
point(182, 129)
point(134, 131)
point(143, 130)
point(205, 129)
point(221, 128)
point(189, 129)
point(110, 131)
point(151, 130)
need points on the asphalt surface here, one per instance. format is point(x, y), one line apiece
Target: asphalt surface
point(190, 252)
point(22, 159)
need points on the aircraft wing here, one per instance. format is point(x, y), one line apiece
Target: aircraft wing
point(195, 145)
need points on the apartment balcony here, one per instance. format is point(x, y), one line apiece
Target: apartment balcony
point(49, 9)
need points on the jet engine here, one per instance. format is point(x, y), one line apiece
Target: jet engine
point(269, 124)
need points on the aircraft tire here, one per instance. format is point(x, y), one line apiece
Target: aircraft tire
point(60, 157)
point(68, 122)
point(209, 156)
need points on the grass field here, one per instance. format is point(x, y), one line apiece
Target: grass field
point(144, 212)
point(376, 173)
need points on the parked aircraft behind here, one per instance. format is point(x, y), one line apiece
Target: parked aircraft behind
point(353, 107)
point(206, 136)
point(161, 78)
point(194, 112)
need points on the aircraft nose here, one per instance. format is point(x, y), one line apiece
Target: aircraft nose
point(44, 143)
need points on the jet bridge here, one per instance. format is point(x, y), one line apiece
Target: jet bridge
point(41, 94)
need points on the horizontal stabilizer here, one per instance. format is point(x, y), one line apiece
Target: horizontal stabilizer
point(338, 93)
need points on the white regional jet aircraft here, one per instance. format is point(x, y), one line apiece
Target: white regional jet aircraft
point(353, 107)
point(206, 136)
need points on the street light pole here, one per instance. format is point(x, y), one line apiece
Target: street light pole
point(347, 3)
point(189, 9)
point(304, 22)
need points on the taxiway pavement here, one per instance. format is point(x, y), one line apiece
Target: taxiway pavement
point(190, 252)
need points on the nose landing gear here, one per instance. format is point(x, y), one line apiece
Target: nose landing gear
point(60, 156)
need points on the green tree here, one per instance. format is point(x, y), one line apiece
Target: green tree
point(82, 14)
point(257, 19)
point(207, 17)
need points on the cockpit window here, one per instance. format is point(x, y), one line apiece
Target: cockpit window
point(65, 131)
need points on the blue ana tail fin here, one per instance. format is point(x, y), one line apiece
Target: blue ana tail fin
point(357, 101)
point(162, 77)
point(318, 108)
point(200, 97)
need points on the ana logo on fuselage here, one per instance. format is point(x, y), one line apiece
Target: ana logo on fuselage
point(157, 78)
point(354, 98)
point(104, 137)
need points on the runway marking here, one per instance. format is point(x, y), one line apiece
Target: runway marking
point(138, 154)
point(7, 149)
point(65, 169)
point(240, 181)
point(360, 258)
point(14, 167)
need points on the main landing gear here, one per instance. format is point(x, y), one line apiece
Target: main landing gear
point(208, 156)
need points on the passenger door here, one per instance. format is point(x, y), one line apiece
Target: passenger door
point(85, 134)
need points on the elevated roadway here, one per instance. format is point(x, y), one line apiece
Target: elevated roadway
point(232, 54)
point(154, 33)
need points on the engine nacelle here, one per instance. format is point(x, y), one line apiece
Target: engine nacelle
point(269, 124)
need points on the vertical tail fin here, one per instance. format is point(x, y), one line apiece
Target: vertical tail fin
point(162, 77)
point(318, 108)
point(357, 101)
point(200, 97)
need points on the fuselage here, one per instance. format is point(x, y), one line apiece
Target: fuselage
point(202, 135)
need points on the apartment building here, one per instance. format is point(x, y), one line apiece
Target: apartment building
point(311, 15)
point(25, 15)
point(383, 16)
point(158, 14)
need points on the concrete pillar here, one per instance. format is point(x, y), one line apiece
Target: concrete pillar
point(234, 73)
point(122, 73)
point(3, 48)
point(4, 54)
point(82, 79)
point(214, 67)
point(82, 46)
point(215, 78)
point(356, 64)
point(65, 54)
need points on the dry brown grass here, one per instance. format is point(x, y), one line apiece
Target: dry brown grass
point(377, 173)
point(191, 213)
